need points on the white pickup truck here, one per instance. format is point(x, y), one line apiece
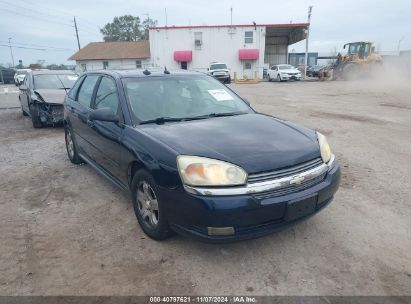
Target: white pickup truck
point(220, 71)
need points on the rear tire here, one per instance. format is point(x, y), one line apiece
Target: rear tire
point(35, 117)
point(148, 207)
point(71, 147)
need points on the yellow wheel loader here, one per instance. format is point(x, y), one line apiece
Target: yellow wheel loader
point(361, 61)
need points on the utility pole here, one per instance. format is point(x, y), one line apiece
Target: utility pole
point(75, 26)
point(231, 10)
point(310, 8)
point(165, 11)
point(11, 52)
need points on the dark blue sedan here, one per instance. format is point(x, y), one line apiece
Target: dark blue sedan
point(195, 157)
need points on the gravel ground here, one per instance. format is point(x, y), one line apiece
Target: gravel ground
point(65, 230)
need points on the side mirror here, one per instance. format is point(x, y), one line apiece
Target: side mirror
point(20, 82)
point(22, 86)
point(103, 114)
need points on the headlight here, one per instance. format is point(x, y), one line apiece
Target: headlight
point(202, 171)
point(324, 147)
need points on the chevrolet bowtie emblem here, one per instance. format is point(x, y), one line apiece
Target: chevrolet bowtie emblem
point(297, 180)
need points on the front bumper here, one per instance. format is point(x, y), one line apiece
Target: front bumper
point(50, 113)
point(288, 77)
point(222, 78)
point(249, 215)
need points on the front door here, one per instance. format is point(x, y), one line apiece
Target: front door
point(184, 65)
point(247, 69)
point(107, 136)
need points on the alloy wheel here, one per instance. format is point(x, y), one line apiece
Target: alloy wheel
point(147, 205)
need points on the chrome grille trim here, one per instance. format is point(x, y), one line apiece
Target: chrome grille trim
point(291, 182)
point(263, 176)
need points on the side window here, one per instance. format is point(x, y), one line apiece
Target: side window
point(73, 91)
point(107, 95)
point(86, 90)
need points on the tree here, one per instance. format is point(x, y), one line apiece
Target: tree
point(146, 25)
point(124, 28)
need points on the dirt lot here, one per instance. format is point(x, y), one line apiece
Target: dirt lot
point(65, 230)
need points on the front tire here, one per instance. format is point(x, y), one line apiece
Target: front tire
point(279, 78)
point(148, 207)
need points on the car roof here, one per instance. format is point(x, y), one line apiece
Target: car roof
point(52, 72)
point(141, 73)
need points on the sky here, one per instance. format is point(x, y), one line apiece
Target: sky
point(46, 27)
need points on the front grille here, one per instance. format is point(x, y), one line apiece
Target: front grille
point(288, 171)
point(291, 188)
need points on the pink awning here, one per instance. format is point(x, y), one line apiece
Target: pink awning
point(248, 54)
point(183, 56)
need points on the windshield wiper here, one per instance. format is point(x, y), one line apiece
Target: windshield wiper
point(161, 120)
point(218, 115)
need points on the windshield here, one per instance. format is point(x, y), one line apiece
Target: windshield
point(54, 81)
point(180, 97)
point(218, 66)
point(285, 67)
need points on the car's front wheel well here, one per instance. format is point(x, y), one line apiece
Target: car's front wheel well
point(132, 169)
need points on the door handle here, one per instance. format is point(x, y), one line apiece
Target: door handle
point(91, 123)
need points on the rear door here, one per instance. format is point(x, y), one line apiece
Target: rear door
point(79, 109)
point(107, 136)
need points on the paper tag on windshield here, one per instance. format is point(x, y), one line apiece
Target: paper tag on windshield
point(72, 77)
point(220, 95)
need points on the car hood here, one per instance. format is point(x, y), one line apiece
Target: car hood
point(256, 142)
point(290, 71)
point(52, 96)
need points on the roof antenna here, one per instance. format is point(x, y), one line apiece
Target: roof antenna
point(146, 72)
point(166, 71)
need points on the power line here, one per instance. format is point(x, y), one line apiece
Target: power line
point(13, 5)
point(38, 45)
point(30, 16)
point(23, 47)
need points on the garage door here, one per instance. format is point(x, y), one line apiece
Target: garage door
point(276, 50)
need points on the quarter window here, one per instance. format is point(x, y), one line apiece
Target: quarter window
point(248, 37)
point(86, 90)
point(107, 95)
point(73, 91)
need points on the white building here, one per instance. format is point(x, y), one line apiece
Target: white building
point(113, 55)
point(246, 49)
